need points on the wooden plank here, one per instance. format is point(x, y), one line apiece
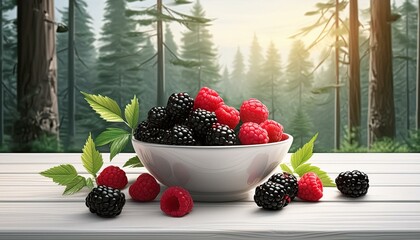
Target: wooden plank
point(34, 179)
point(52, 193)
point(361, 158)
point(210, 221)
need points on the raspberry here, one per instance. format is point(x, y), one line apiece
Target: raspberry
point(284, 137)
point(176, 202)
point(252, 133)
point(227, 115)
point(207, 99)
point(310, 187)
point(353, 184)
point(253, 110)
point(144, 189)
point(274, 130)
point(112, 176)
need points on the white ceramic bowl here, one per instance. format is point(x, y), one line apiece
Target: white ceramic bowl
point(212, 173)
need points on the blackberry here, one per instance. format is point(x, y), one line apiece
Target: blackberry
point(287, 180)
point(352, 184)
point(179, 106)
point(158, 117)
point(180, 135)
point(105, 201)
point(140, 130)
point(200, 121)
point(220, 135)
point(271, 196)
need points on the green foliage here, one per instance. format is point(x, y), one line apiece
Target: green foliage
point(300, 127)
point(387, 145)
point(413, 142)
point(91, 158)
point(44, 143)
point(198, 46)
point(348, 144)
point(254, 74)
point(62, 174)
point(132, 113)
point(106, 107)
point(133, 162)
point(300, 166)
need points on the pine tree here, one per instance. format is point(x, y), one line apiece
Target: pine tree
point(254, 74)
point(270, 82)
point(148, 98)
point(237, 79)
point(119, 54)
point(298, 88)
point(198, 47)
point(85, 74)
point(172, 71)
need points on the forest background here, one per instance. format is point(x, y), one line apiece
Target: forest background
point(244, 51)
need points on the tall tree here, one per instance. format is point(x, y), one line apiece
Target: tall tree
point(37, 73)
point(197, 46)
point(299, 83)
point(271, 78)
point(354, 73)
point(172, 71)
point(254, 74)
point(237, 79)
point(381, 98)
point(148, 98)
point(119, 54)
point(8, 54)
point(418, 70)
point(85, 77)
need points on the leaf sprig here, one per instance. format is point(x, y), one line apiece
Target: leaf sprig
point(117, 138)
point(300, 166)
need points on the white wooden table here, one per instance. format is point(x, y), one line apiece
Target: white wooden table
point(32, 207)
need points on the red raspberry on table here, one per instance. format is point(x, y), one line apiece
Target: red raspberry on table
point(207, 99)
point(228, 116)
point(252, 110)
point(112, 176)
point(252, 133)
point(176, 202)
point(310, 187)
point(145, 188)
point(274, 130)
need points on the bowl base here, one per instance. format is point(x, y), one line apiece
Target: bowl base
point(219, 197)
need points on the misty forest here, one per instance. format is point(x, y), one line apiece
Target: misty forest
point(355, 84)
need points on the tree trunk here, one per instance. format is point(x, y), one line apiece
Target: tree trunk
point(71, 80)
point(160, 59)
point(37, 73)
point(354, 79)
point(337, 117)
point(381, 98)
point(418, 70)
point(1, 77)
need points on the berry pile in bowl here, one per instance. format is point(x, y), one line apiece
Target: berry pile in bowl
point(212, 150)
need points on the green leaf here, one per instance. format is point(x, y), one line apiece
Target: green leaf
point(286, 168)
point(91, 158)
point(89, 183)
point(110, 135)
point(325, 178)
point(133, 162)
point(303, 154)
point(132, 113)
point(74, 186)
point(62, 174)
point(106, 107)
point(118, 145)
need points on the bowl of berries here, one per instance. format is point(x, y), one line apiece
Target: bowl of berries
point(213, 150)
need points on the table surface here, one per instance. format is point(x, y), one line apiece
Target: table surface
point(32, 207)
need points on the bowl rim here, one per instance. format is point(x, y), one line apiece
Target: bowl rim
point(289, 139)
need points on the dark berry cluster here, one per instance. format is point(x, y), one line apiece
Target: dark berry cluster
point(179, 123)
point(105, 201)
point(277, 192)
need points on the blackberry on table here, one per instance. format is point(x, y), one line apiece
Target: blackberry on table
point(352, 184)
point(158, 117)
point(179, 106)
point(220, 135)
point(271, 196)
point(180, 135)
point(200, 121)
point(105, 201)
point(289, 181)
